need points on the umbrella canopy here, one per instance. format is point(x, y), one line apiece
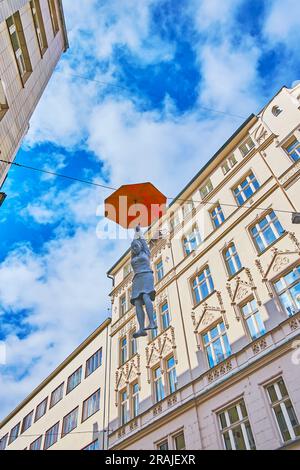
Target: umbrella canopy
point(135, 204)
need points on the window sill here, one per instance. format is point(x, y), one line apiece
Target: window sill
point(236, 274)
point(272, 244)
point(196, 305)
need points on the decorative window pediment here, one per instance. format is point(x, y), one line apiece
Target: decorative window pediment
point(240, 288)
point(127, 374)
point(280, 260)
point(159, 349)
point(208, 314)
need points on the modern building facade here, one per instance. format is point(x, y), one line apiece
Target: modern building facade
point(222, 370)
point(32, 39)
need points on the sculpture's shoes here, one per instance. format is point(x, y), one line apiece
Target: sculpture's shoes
point(139, 333)
point(152, 326)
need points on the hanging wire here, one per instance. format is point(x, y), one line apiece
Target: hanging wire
point(103, 186)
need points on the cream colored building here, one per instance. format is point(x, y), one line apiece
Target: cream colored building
point(32, 39)
point(223, 369)
point(69, 409)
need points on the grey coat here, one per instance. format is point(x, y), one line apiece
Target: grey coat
point(143, 280)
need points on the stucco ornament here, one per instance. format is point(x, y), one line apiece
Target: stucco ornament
point(143, 292)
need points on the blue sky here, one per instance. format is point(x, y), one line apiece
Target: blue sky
point(172, 63)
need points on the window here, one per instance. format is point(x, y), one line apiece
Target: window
point(37, 444)
point(266, 231)
point(57, 395)
point(91, 405)
point(217, 216)
point(283, 410)
point(293, 149)
point(51, 436)
point(206, 189)
point(93, 362)
point(202, 285)
point(191, 241)
point(158, 385)
point(133, 344)
point(288, 290)
point(246, 146)
point(164, 445)
point(246, 189)
point(127, 270)
point(74, 380)
point(93, 446)
point(216, 344)
point(174, 222)
point(124, 407)
point(3, 101)
point(253, 319)
point(165, 316)
point(70, 422)
point(171, 374)
point(41, 409)
point(228, 164)
point(27, 422)
point(3, 442)
point(232, 260)
point(187, 208)
point(14, 433)
point(123, 305)
point(135, 399)
point(18, 42)
point(179, 441)
point(39, 25)
point(123, 350)
point(236, 429)
point(54, 17)
point(159, 268)
point(154, 333)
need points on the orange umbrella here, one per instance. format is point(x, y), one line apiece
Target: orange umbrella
point(135, 204)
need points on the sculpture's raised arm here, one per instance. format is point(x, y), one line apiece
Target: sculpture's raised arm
point(139, 236)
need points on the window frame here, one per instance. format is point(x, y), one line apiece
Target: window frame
point(218, 218)
point(51, 405)
point(21, 54)
point(212, 340)
point(211, 285)
point(242, 421)
point(35, 415)
point(12, 438)
point(100, 353)
point(55, 434)
point(232, 257)
point(54, 16)
point(157, 380)
point(23, 429)
point(252, 313)
point(40, 440)
point(241, 190)
point(281, 403)
point(286, 289)
point(187, 240)
point(70, 377)
point(76, 410)
point(159, 272)
point(169, 371)
point(260, 231)
point(83, 418)
point(246, 146)
point(39, 26)
point(296, 148)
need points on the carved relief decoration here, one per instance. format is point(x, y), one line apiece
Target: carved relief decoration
point(159, 348)
point(126, 374)
point(260, 134)
point(280, 260)
point(206, 315)
point(239, 289)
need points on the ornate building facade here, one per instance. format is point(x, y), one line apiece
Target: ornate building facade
point(32, 39)
point(222, 370)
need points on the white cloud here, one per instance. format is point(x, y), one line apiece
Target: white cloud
point(283, 22)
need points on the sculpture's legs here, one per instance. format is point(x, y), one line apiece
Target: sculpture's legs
point(150, 312)
point(141, 318)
